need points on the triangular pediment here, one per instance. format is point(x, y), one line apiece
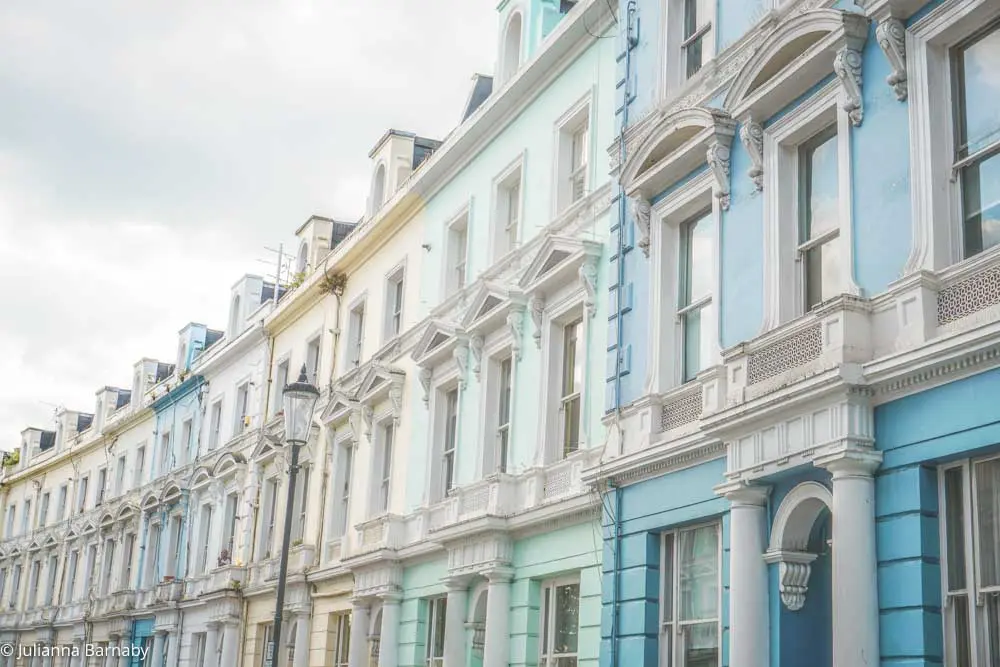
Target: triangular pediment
point(557, 260)
point(378, 382)
point(438, 337)
point(486, 302)
point(338, 408)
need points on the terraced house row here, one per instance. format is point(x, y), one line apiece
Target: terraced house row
point(681, 349)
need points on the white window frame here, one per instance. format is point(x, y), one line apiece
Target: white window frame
point(547, 629)
point(505, 233)
point(495, 448)
point(552, 423)
point(101, 488)
point(68, 594)
point(342, 641)
point(669, 332)
point(43, 509)
point(675, 624)
point(301, 502)
point(140, 465)
point(784, 297)
point(205, 517)
point(357, 315)
point(508, 66)
point(63, 498)
point(120, 472)
point(395, 301)
point(315, 342)
point(438, 410)
point(935, 196)
point(166, 453)
point(342, 480)
point(382, 467)
point(215, 424)
point(241, 422)
point(974, 591)
point(283, 366)
point(433, 604)
point(673, 63)
point(456, 264)
point(269, 517)
point(129, 557)
point(566, 177)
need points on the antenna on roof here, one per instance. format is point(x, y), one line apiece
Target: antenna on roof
point(283, 267)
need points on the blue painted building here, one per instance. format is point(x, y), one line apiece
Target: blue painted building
point(803, 335)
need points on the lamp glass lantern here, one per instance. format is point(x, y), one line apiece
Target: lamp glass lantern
point(299, 400)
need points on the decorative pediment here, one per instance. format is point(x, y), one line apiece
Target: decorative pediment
point(488, 307)
point(228, 464)
point(380, 382)
point(127, 511)
point(149, 502)
point(107, 519)
point(201, 478)
point(338, 409)
point(558, 263)
point(435, 344)
point(171, 495)
point(802, 51)
point(677, 144)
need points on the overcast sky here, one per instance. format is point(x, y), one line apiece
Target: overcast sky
point(149, 151)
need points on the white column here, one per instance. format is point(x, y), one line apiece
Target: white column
point(230, 643)
point(855, 587)
point(748, 614)
point(172, 649)
point(358, 656)
point(454, 623)
point(212, 645)
point(109, 659)
point(302, 641)
point(157, 657)
point(496, 649)
point(388, 655)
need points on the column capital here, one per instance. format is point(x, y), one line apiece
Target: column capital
point(744, 493)
point(499, 575)
point(849, 461)
point(456, 584)
point(391, 597)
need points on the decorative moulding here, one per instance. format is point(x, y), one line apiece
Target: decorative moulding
point(641, 210)
point(476, 347)
point(536, 306)
point(794, 569)
point(891, 35)
point(588, 280)
point(515, 321)
point(752, 138)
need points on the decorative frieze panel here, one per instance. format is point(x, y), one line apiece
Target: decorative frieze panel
point(375, 581)
point(479, 555)
point(969, 296)
point(682, 410)
point(785, 354)
point(797, 439)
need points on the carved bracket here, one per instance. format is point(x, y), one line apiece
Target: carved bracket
point(718, 162)
point(847, 66)
point(588, 279)
point(476, 345)
point(425, 382)
point(794, 568)
point(752, 138)
point(641, 210)
point(461, 357)
point(536, 305)
point(891, 35)
point(368, 413)
point(515, 321)
point(396, 396)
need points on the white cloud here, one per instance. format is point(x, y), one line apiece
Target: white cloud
point(149, 150)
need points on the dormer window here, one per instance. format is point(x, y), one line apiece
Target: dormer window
point(511, 56)
point(234, 318)
point(302, 261)
point(182, 357)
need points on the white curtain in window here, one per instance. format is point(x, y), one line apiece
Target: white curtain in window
point(988, 510)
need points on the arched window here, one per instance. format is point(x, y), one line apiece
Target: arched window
point(375, 638)
point(378, 188)
point(511, 48)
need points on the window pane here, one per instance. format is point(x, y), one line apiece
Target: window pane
point(954, 529)
point(692, 344)
point(546, 611)
point(963, 650)
point(822, 273)
point(439, 616)
point(701, 645)
point(819, 197)
point(572, 370)
point(693, 57)
point(667, 595)
point(988, 511)
point(567, 619)
point(992, 611)
point(978, 66)
point(981, 205)
point(698, 265)
point(699, 573)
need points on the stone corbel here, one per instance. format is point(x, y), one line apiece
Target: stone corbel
point(536, 305)
point(847, 66)
point(515, 322)
point(752, 138)
point(367, 414)
point(424, 376)
point(794, 568)
point(718, 162)
point(588, 280)
point(641, 211)
point(461, 356)
point(476, 346)
point(891, 35)
point(355, 420)
point(396, 397)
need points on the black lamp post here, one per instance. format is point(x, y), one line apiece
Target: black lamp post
point(299, 400)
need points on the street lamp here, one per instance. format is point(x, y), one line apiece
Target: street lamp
point(299, 400)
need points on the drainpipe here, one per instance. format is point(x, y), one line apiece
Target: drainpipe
point(338, 293)
point(631, 39)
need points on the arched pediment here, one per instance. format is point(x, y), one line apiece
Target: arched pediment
point(127, 511)
point(149, 501)
point(171, 494)
point(201, 477)
point(106, 520)
point(801, 52)
point(677, 144)
point(229, 463)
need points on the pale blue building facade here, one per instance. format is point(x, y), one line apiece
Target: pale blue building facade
point(803, 336)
